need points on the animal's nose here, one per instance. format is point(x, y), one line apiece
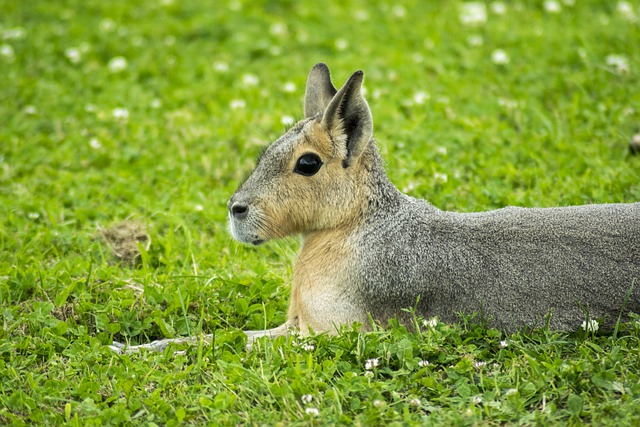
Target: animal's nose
point(239, 210)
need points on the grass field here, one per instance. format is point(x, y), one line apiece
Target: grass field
point(126, 126)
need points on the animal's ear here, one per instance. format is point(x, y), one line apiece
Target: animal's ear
point(319, 91)
point(348, 119)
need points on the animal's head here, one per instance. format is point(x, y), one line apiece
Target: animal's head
point(310, 179)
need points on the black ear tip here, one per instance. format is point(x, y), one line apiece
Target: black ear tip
point(358, 75)
point(321, 66)
point(356, 78)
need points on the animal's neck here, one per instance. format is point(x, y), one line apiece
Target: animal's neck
point(382, 194)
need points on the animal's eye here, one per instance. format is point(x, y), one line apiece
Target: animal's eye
point(308, 164)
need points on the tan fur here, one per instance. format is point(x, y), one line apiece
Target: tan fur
point(294, 208)
point(320, 301)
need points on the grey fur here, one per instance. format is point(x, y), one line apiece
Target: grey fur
point(513, 265)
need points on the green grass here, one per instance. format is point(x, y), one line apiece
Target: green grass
point(550, 127)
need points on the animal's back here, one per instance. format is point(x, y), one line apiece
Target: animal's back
point(513, 265)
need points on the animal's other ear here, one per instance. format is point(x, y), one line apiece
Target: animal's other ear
point(319, 91)
point(348, 118)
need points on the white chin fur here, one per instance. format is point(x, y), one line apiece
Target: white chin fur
point(233, 229)
point(239, 235)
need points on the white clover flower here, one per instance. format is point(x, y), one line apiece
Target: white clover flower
point(120, 113)
point(431, 323)
point(15, 33)
point(475, 40)
point(379, 403)
point(479, 364)
point(306, 398)
point(289, 87)
point(440, 177)
point(552, 6)
point(477, 400)
point(30, 110)
point(73, 55)
point(423, 363)
point(410, 185)
point(499, 8)
point(500, 57)
point(312, 411)
point(503, 344)
point(582, 53)
point(250, 80)
point(236, 104)
point(156, 103)
point(278, 29)
point(626, 10)
point(308, 347)
point(117, 64)
point(361, 15)
point(95, 143)
point(590, 326)
point(287, 120)
point(198, 208)
point(415, 402)
point(275, 50)
point(294, 332)
point(399, 11)
point(341, 44)
point(371, 363)
point(421, 97)
point(221, 67)
point(508, 104)
point(33, 215)
point(107, 25)
point(620, 63)
point(473, 13)
point(7, 51)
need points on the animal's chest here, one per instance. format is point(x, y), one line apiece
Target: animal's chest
point(324, 292)
point(323, 262)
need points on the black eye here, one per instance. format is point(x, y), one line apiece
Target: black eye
point(308, 164)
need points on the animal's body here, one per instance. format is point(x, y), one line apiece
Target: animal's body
point(370, 250)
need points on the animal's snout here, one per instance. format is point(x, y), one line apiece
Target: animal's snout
point(237, 209)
